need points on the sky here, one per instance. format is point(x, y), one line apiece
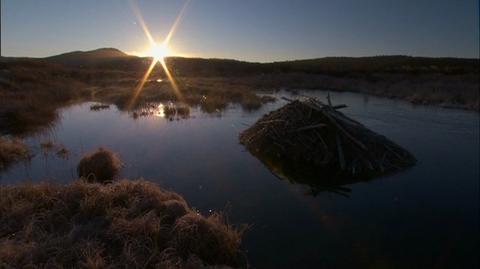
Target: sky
point(261, 30)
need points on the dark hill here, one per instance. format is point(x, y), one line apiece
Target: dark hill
point(384, 64)
point(93, 57)
point(216, 67)
point(114, 59)
point(98, 53)
point(337, 66)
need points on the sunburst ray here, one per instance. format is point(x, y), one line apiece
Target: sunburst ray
point(156, 58)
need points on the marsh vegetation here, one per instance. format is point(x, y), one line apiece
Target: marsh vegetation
point(100, 222)
point(101, 165)
point(121, 224)
point(11, 151)
point(32, 91)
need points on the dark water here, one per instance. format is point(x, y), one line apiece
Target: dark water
point(425, 217)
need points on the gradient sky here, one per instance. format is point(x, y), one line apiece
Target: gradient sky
point(246, 29)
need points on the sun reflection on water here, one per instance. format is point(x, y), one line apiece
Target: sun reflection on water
point(170, 111)
point(160, 111)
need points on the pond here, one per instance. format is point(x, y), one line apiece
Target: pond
point(425, 216)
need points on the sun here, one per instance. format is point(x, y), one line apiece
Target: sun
point(158, 51)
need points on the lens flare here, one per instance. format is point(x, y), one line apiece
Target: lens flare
point(158, 52)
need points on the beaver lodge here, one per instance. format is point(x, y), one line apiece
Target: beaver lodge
point(311, 142)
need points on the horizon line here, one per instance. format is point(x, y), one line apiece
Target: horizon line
point(241, 60)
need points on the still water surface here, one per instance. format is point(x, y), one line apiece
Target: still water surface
point(426, 216)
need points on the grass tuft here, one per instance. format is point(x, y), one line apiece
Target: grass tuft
point(11, 151)
point(125, 224)
point(100, 166)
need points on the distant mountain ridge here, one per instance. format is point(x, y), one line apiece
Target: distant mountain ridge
point(114, 59)
point(97, 53)
point(87, 57)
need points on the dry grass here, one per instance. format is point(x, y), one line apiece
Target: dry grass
point(62, 152)
point(454, 90)
point(126, 224)
point(32, 93)
point(176, 111)
point(101, 165)
point(12, 151)
point(210, 94)
point(97, 107)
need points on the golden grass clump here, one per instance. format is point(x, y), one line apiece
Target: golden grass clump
point(125, 224)
point(12, 151)
point(101, 165)
point(213, 241)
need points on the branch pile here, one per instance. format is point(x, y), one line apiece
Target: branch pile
point(314, 138)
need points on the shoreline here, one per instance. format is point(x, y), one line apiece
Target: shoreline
point(459, 107)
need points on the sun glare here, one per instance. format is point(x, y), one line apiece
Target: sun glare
point(158, 51)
